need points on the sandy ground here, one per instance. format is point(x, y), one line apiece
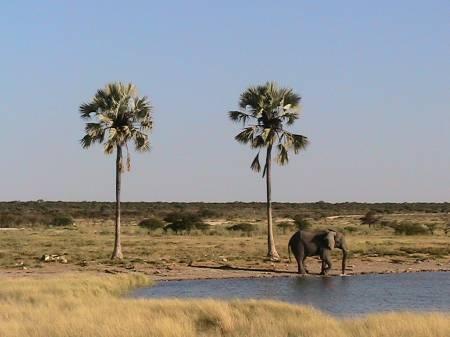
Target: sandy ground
point(366, 265)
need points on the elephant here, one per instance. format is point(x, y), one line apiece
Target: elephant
point(317, 243)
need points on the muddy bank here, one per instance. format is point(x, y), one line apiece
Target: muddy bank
point(358, 267)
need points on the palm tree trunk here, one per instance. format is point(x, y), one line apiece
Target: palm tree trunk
point(117, 252)
point(271, 250)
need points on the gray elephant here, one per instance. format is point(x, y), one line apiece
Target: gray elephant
point(318, 243)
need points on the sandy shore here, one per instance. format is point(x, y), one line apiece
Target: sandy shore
point(366, 265)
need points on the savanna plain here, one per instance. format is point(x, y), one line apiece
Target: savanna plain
point(57, 278)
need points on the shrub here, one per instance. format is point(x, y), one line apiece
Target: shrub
point(318, 215)
point(387, 223)
point(243, 227)
point(202, 226)
point(284, 226)
point(408, 228)
point(304, 214)
point(301, 223)
point(207, 213)
point(370, 218)
point(184, 222)
point(151, 223)
point(350, 229)
point(62, 220)
point(431, 227)
point(7, 220)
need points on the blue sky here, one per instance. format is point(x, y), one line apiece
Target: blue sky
point(374, 77)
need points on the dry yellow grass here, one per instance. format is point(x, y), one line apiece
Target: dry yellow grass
point(93, 241)
point(88, 306)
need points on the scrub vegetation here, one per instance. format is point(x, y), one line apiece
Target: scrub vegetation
point(160, 238)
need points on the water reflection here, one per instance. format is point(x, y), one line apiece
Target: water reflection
point(337, 295)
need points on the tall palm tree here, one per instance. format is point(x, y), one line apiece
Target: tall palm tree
point(265, 111)
point(115, 116)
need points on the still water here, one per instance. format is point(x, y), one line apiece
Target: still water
point(349, 295)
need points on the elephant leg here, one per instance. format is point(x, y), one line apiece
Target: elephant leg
point(298, 259)
point(304, 265)
point(323, 266)
point(322, 262)
point(301, 258)
point(326, 262)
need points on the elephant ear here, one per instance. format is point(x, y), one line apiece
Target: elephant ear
point(330, 239)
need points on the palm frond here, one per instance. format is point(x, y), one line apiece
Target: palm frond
point(265, 170)
point(86, 141)
point(265, 135)
point(258, 142)
point(86, 109)
point(94, 130)
point(128, 158)
point(256, 166)
point(109, 146)
point(290, 98)
point(106, 117)
point(239, 116)
point(141, 141)
point(246, 135)
point(290, 116)
point(282, 157)
point(142, 110)
point(294, 141)
point(252, 98)
point(113, 135)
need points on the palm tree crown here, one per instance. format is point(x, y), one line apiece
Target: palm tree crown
point(117, 115)
point(265, 111)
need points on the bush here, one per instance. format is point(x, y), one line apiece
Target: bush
point(62, 220)
point(284, 226)
point(202, 226)
point(151, 223)
point(408, 228)
point(243, 227)
point(350, 229)
point(387, 223)
point(370, 218)
point(304, 214)
point(431, 227)
point(184, 222)
point(301, 223)
point(7, 220)
point(207, 213)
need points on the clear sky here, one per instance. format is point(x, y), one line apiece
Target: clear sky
point(374, 77)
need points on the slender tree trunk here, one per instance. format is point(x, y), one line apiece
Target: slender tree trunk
point(117, 252)
point(271, 250)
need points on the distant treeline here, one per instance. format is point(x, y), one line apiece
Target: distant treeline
point(16, 213)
